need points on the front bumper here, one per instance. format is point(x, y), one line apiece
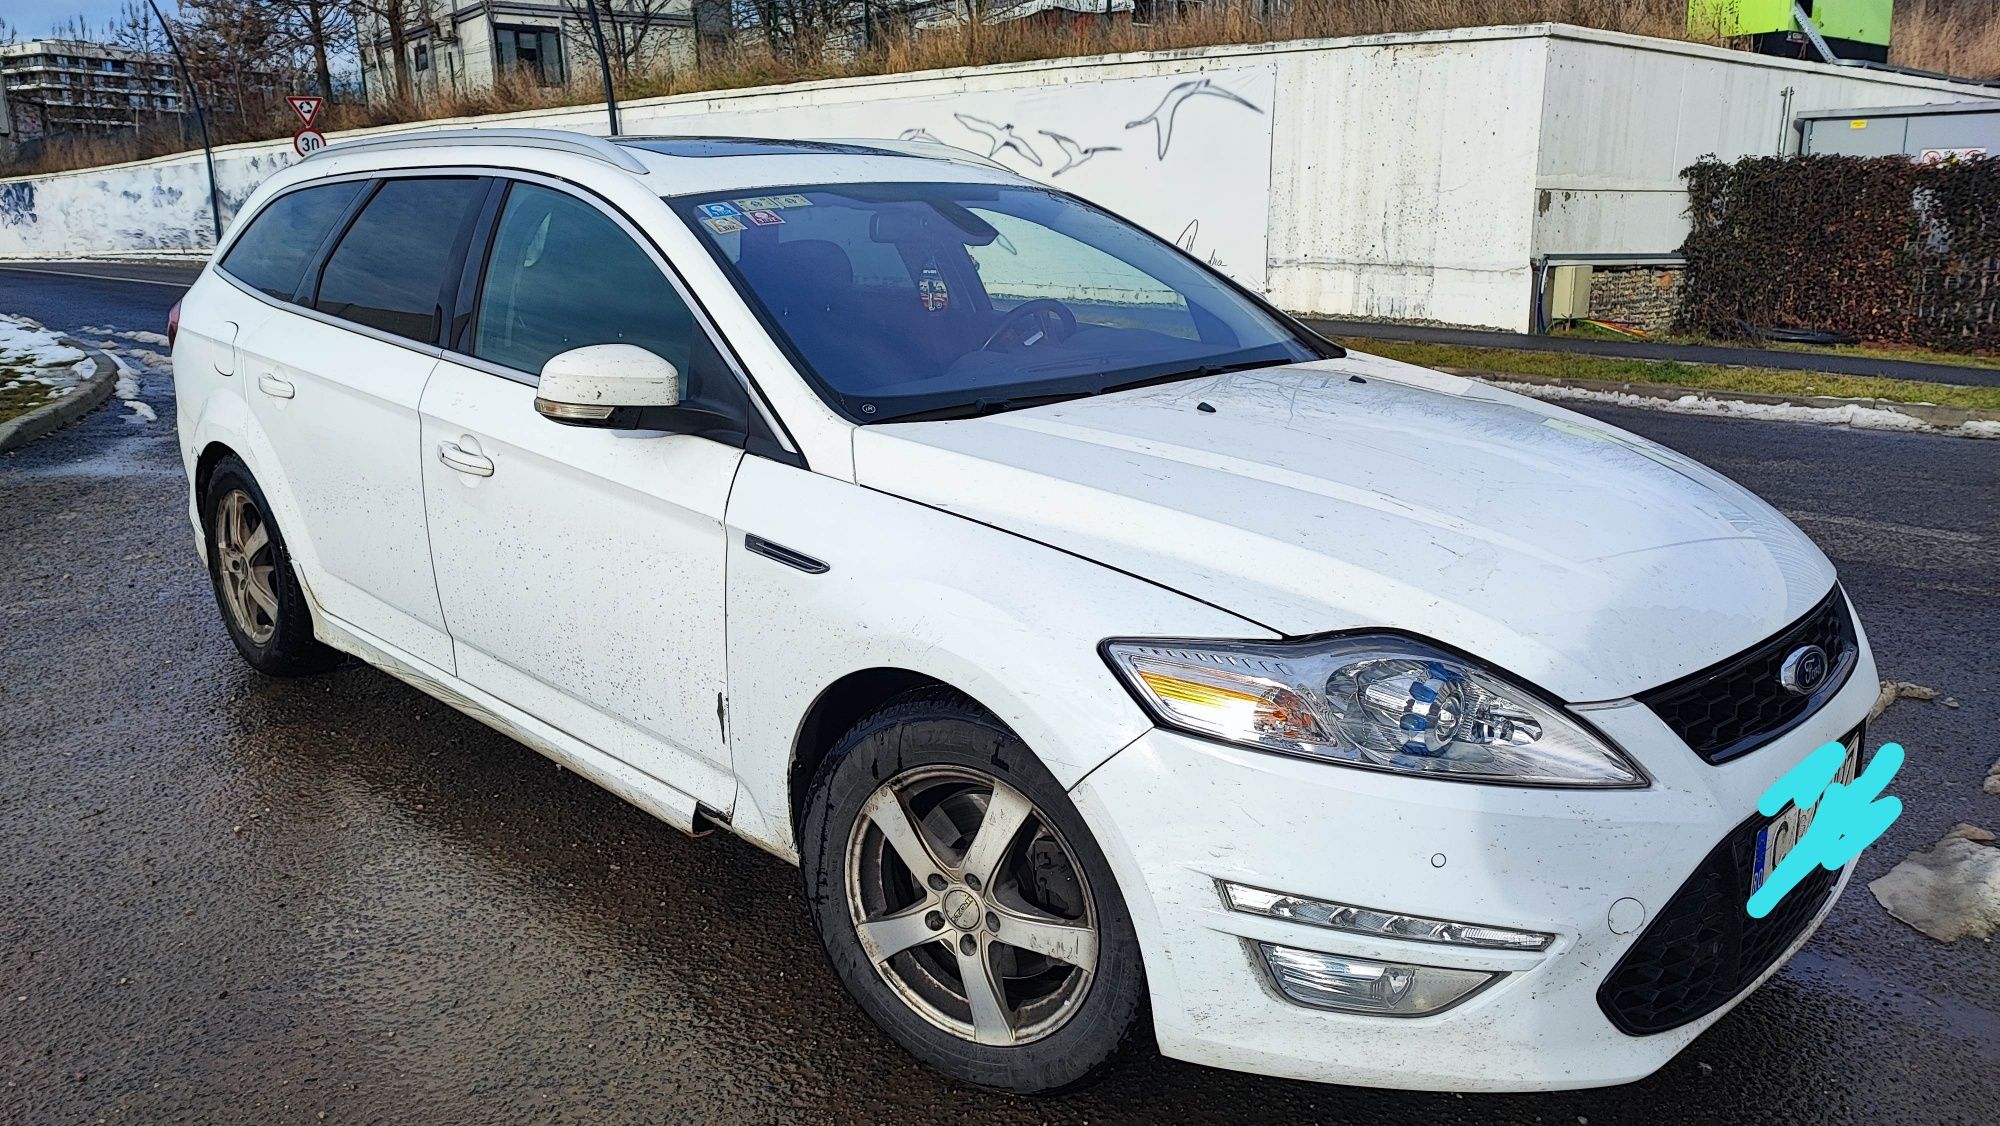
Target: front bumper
point(1176, 814)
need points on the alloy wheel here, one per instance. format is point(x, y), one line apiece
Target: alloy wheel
point(971, 906)
point(246, 565)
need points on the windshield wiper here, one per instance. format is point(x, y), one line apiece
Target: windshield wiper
point(986, 406)
point(995, 405)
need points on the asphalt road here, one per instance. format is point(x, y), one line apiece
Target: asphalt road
point(225, 898)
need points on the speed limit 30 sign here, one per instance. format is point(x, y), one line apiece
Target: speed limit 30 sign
point(308, 141)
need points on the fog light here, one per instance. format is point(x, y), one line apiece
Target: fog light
point(1359, 985)
point(1380, 924)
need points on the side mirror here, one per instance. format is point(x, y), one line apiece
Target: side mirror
point(606, 385)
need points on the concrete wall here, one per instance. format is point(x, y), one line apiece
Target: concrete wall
point(1624, 114)
point(1409, 176)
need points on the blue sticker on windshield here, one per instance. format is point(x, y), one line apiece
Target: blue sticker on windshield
point(719, 210)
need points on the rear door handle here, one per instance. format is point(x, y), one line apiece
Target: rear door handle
point(276, 388)
point(451, 454)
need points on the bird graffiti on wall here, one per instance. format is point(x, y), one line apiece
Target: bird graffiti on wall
point(999, 137)
point(1073, 153)
point(1162, 117)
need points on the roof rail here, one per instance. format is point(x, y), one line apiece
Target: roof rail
point(552, 140)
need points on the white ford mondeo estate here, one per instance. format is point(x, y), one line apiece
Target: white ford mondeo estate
point(1115, 657)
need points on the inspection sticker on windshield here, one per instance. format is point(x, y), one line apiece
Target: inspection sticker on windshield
point(773, 202)
point(932, 291)
point(723, 224)
point(719, 210)
point(764, 218)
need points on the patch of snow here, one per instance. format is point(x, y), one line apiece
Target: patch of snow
point(141, 412)
point(127, 334)
point(1948, 891)
point(25, 344)
point(1853, 414)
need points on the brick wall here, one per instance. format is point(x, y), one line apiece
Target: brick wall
point(1646, 297)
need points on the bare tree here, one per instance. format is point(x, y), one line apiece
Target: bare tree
point(318, 28)
point(799, 30)
point(390, 24)
point(636, 32)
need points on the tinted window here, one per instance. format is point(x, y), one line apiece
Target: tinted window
point(279, 244)
point(949, 299)
point(562, 275)
point(388, 271)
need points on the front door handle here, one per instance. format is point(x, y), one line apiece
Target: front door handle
point(276, 388)
point(451, 454)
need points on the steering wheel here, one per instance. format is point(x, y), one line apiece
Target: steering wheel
point(1042, 318)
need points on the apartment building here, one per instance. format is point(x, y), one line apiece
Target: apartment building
point(70, 85)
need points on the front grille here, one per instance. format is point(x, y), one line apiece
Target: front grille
point(1704, 948)
point(1735, 707)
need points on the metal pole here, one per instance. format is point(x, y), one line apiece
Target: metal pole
point(603, 65)
point(200, 117)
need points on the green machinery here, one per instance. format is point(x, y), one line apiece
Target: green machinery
point(1853, 29)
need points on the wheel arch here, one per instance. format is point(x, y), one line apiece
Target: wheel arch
point(204, 470)
point(837, 708)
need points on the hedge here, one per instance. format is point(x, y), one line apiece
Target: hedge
point(1881, 247)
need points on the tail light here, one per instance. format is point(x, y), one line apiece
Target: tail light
point(173, 323)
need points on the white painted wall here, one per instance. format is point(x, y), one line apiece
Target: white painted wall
point(1624, 114)
point(1402, 176)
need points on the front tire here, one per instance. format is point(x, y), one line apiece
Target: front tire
point(963, 902)
point(263, 607)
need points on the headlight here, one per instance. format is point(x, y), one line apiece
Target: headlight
point(1376, 701)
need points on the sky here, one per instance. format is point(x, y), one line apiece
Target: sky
point(32, 19)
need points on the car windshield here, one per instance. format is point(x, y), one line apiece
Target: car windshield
point(907, 301)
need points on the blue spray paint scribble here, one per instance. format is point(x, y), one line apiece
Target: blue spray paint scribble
point(17, 204)
point(1847, 816)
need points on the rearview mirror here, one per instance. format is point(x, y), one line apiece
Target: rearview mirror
point(606, 385)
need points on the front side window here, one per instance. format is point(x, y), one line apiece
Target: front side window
point(273, 252)
point(563, 275)
point(933, 300)
point(389, 270)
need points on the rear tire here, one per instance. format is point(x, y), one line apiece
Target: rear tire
point(263, 607)
point(934, 832)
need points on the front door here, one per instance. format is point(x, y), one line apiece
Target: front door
point(340, 414)
point(581, 570)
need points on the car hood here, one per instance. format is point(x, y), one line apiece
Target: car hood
point(1362, 492)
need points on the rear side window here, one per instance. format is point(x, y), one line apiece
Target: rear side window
point(562, 275)
point(389, 270)
point(274, 251)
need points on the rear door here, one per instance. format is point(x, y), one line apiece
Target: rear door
point(335, 390)
point(582, 570)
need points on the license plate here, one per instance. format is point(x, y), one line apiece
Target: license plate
point(1778, 836)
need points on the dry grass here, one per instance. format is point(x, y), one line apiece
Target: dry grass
point(1959, 36)
point(1948, 36)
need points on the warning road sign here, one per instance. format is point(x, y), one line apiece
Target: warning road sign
point(306, 108)
point(306, 142)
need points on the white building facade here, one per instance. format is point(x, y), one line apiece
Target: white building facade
point(468, 45)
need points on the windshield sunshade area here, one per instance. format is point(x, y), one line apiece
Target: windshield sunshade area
point(905, 301)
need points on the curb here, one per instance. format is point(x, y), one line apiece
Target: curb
point(1932, 416)
point(88, 396)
